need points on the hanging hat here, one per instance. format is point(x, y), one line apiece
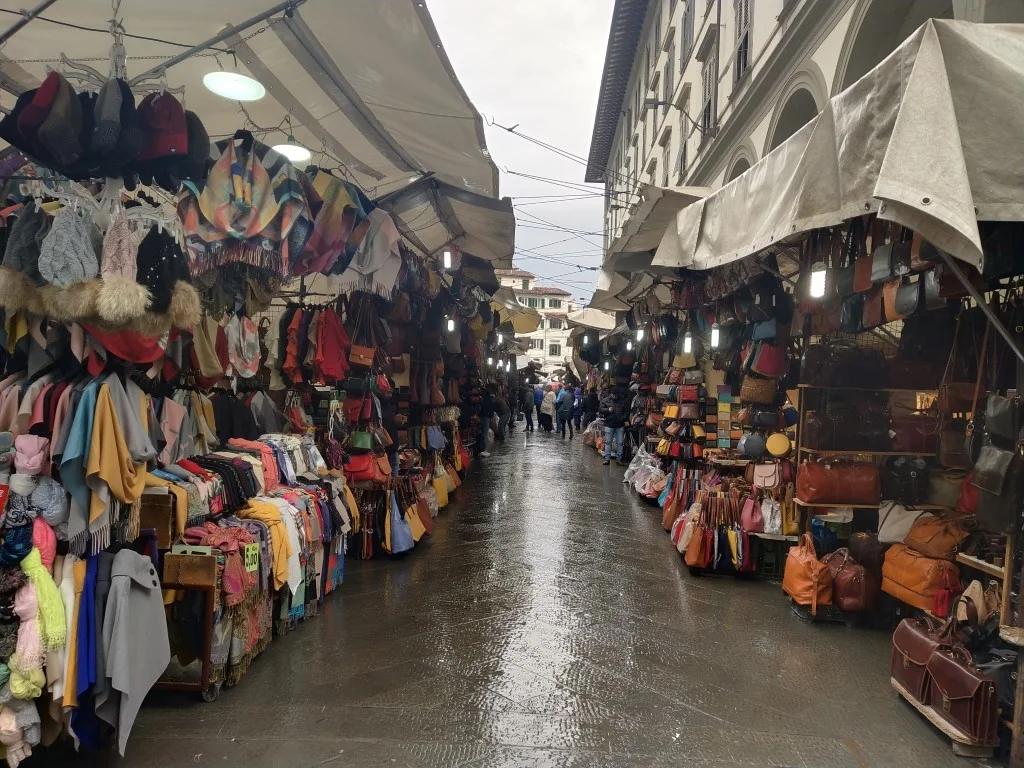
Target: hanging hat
point(155, 267)
point(163, 123)
point(25, 242)
point(195, 164)
point(9, 131)
point(59, 133)
point(35, 112)
point(69, 250)
point(120, 159)
point(107, 119)
point(120, 298)
point(32, 454)
point(127, 344)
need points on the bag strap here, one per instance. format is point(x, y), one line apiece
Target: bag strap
point(981, 367)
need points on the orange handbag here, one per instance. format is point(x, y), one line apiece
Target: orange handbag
point(936, 537)
point(806, 579)
point(913, 578)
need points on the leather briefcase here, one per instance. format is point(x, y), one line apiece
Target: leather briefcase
point(936, 537)
point(962, 695)
point(913, 578)
point(913, 643)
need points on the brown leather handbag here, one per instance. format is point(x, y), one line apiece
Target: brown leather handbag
point(936, 537)
point(806, 579)
point(853, 589)
point(915, 433)
point(873, 312)
point(914, 578)
point(962, 695)
point(838, 482)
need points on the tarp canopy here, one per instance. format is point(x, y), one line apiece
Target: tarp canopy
point(644, 227)
point(367, 87)
point(615, 290)
point(523, 319)
point(590, 318)
point(930, 138)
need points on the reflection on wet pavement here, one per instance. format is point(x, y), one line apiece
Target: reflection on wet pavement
point(549, 623)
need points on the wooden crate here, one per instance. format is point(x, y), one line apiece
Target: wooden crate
point(190, 570)
point(157, 512)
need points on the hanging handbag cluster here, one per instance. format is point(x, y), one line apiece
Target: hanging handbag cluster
point(715, 539)
point(998, 472)
point(930, 664)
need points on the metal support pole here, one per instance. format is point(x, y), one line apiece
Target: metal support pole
point(227, 32)
point(27, 16)
point(993, 318)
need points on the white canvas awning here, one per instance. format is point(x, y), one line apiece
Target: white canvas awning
point(591, 318)
point(930, 138)
point(523, 319)
point(657, 209)
point(367, 87)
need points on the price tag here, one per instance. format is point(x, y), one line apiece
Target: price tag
point(252, 557)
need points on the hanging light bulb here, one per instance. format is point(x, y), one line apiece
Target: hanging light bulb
point(451, 324)
point(490, 361)
point(716, 336)
point(819, 273)
point(586, 340)
point(629, 346)
point(447, 258)
point(234, 86)
point(606, 365)
point(294, 151)
point(639, 334)
point(501, 338)
point(688, 343)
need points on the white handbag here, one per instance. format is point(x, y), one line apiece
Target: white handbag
point(771, 512)
point(895, 521)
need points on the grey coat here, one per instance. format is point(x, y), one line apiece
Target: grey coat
point(135, 645)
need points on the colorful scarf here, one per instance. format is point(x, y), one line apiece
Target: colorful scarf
point(52, 627)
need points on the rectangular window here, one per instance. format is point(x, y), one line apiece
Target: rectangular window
point(742, 62)
point(531, 302)
point(540, 303)
point(669, 78)
point(681, 157)
point(554, 304)
point(708, 84)
point(665, 158)
point(686, 38)
point(554, 350)
point(647, 67)
point(657, 31)
point(555, 324)
point(540, 325)
point(526, 285)
point(536, 343)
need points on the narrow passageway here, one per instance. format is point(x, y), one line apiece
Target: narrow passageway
point(550, 623)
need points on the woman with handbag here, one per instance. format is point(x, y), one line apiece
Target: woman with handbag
point(548, 409)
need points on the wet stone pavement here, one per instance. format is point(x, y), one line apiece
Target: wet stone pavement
point(549, 623)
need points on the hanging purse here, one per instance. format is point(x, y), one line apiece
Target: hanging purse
point(767, 476)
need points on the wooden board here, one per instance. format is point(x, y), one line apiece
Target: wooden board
point(818, 451)
point(981, 565)
point(960, 739)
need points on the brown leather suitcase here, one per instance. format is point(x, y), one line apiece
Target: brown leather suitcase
point(913, 578)
point(963, 695)
point(853, 589)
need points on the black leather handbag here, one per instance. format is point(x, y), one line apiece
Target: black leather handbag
point(1002, 419)
point(998, 473)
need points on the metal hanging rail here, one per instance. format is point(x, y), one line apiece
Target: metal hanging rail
point(25, 19)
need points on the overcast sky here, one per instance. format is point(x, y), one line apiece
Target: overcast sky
point(537, 64)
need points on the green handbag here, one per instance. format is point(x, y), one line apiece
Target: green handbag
point(362, 441)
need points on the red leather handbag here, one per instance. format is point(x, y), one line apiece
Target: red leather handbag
point(770, 360)
point(967, 504)
point(687, 393)
point(361, 467)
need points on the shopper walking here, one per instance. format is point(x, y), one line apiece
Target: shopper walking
point(486, 414)
point(503, 411)
point(565, 403)
point(591, 402)
point(548, 409)
point(528, 406)
point(538, 399)
point(615, 411)
point(577, 408)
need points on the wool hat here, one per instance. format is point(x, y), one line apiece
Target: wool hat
point(121, 157)
point(161, 264)
point(163, 123)
point(68, 253)
point(32, 454)
point(196, 163)
point(59, 133)
point(106, 119)
point(24, 243)
point(120, 299)
point(35, 112)
point(9, 131)
point(127, 344)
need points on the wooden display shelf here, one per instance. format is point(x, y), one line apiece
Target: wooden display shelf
point(866, 453)
point(963, 744)
point(924, 507)
point(973, 562)
point(869, 389)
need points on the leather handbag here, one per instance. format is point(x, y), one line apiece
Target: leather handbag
point(881, 262)
point(838, 483)
point(944, 487)
point(1002, 419)
point(689, 411)
point(915, 433)
point(962, 695)
point(866, 550)
point(819, 431)
point(914, 578)
point(765, 418)
point(779, 445)
point(895, 522)
point(806, 579)
point(997, 510)
point(913, 643)
point(905, 479)
point(688, 393)
point(992, 468)
point(937, 537)
point(909, 298)
point(360, 467)
point(769, 360)
point(853, 589)
point(890, 290)
point(751, 519)
point(671, 411)
point(751, 444)
point(967, 501)
point(874, 313)
point(756, 390)
point(767, 476)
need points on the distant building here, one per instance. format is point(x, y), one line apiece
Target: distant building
point(549, 344)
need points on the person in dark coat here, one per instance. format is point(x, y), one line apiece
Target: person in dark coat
point(615, 411)
point(527, 404)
